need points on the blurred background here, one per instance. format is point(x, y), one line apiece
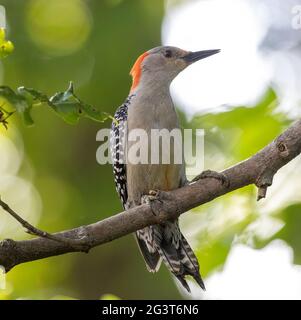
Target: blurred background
point(242, 97)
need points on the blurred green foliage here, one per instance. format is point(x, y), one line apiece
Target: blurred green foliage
point(291, 233)
point(6, 46)
point(94, 43)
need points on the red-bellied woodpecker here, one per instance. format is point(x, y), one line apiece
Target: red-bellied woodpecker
point(149, 106)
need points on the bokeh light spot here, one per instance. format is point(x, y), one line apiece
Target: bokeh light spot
point(10, 156)
point(58, 27)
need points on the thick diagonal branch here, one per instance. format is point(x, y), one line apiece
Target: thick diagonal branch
point(258, 170)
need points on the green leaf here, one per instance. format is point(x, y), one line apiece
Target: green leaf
point(71, 108)
point(65, 104)
point(33, 96)
point(94, 114)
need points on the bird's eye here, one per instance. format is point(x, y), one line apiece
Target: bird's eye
point(168, 54)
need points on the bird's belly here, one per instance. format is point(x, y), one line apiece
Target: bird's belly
point(141, 178)
point(155, 175)
point(146, 177)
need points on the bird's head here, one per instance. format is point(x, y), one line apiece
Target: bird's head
point(162, 64)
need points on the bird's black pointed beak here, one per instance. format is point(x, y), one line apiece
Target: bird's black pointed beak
point(198, 55)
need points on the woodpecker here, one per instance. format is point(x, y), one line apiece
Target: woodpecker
point(149, 106)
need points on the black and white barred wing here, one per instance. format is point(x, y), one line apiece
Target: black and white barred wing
point(117, 148)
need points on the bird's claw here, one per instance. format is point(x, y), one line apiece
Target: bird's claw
point(152, 196)
point(213, 175)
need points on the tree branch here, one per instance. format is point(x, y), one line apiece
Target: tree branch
point(259, 170)
point(78, 244)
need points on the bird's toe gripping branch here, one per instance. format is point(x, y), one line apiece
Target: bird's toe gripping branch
point(210, 174)
point(152, 198)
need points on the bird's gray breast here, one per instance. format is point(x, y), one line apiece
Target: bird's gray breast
point(151, 114)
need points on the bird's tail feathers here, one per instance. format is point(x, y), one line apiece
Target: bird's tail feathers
point(166, 243)
point(152, 259)
point(190, 262)
point(178, 256)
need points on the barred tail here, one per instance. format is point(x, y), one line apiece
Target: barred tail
point(151, 257)
point(176, 253)
point(190, 262)
point(167, 242)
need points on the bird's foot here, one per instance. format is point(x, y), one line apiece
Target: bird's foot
point(209, 174)
point(150, 198)
point(153, 195)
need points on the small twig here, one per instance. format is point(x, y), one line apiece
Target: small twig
point(9, 113)
point(30, 229)
point(3, 119)
point(264, 181)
